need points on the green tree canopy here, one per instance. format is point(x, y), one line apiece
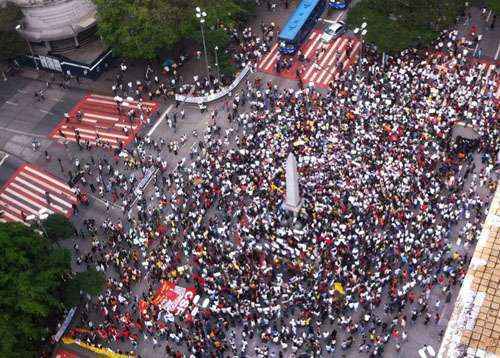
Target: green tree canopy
point(58, 227)
point(11, 43)
point(33, 293)
point(90, 282)
point(493, 5)
point(142, 29)
point(394, 25)
point(31, 271)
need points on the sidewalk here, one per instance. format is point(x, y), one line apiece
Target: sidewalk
point(100, 86)
point(490, 42)
point(136, 68)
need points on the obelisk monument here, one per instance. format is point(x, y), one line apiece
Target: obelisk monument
point(293, 201)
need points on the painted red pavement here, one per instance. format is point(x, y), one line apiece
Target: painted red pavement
point(26, 192)
point(102, 122)
point(320, 71)
point(490, 77)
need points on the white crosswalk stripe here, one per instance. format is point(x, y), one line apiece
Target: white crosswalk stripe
point(315, 37)
point(102, 134)
point(112, 100)
point(29, 190)
point(335, 57)
point(272, 61)
point(326, 55)
point(268, 55)
point(331, 52)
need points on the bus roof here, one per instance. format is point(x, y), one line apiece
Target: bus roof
point(298, 18)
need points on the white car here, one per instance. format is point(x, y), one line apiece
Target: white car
point(333, 31)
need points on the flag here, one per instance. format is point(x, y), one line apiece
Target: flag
point(339, 288)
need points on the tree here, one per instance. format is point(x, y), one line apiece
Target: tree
point(11, 43)
point(90, 282)
point(58, 227)
point(394, 25)
point(142, 29)
point(31, 271)
point(33, 292)
point(137, 29)
point(216, 37)
point(249, 10)
point(493, 5)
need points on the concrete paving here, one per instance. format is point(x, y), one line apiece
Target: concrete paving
point(490, 43)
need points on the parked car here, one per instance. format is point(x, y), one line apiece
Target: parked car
point(333, 31)
point(339, 4)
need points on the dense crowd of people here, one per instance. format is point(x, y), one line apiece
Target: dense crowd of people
point(385, 184)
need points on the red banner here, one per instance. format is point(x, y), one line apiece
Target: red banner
point(143, 307)
point(65, 354)
point(172, 298)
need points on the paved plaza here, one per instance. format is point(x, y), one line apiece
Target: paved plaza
point(395, 175)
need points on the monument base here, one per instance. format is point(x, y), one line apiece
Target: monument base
point(293, 208)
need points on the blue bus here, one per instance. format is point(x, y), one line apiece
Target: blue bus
point(339, 4)
point(300, 24)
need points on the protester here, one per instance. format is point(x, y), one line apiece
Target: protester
point(385, 183)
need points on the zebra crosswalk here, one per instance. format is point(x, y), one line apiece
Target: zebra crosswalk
point(31, 189)
point(491, 80)
point(102, 121)
point(488, 75)
point(323, 62)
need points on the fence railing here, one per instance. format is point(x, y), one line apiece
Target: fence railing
point(214, 96)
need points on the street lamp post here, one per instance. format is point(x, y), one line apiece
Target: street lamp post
point(362, 33)
point(18, 29)
point(201, 15)
point(217, 62)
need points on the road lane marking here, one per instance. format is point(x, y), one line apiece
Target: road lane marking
point(330, 52)
point(56, 182)
point(340, 15)
point(8, 201)
point(266, 57)
point(69, 195)
point(312, 47)
point(5, 156)
point(22, 133)
point(42, 191)
point(160, 119)
point(338, 53)
point(498, 50)
point(100, 116)
point(266, 67)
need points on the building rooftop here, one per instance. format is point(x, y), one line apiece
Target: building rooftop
point(474, 327)
point(88, 53)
